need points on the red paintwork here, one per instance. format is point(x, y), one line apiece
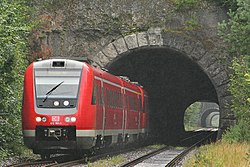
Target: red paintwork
point(85, 113)
point(88, 116)
point(28, 114)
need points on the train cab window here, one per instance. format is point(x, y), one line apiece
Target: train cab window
point(55, 85)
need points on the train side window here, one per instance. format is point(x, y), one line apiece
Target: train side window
point(99, 92)
point(140, 105)
point(107, 97)
point(115, 99)
point(127, 101)
point(98, 95)
point(132, 103)
point(118, 100)
point(93, 102)
point(112, 98)
point(121, 99)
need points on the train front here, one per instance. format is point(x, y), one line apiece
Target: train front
point(50, 104)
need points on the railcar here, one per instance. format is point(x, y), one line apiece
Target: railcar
point(70, 107)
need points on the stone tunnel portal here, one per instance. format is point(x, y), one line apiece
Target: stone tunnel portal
point(173, 82)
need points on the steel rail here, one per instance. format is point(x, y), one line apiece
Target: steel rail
point(87, 159)
point(144, 157)
point(180, 156)
point(35, 164)
point(173, 162)
point(84, 160)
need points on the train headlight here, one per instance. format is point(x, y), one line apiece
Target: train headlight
point(73, 119)
point(56, 103)
point(66, 103)
point(67, 119)
point(38, 119)
point(44, 119)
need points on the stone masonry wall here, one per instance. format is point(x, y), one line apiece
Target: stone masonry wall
point(103, 30)
point(73, 28)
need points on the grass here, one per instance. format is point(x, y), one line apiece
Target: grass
point(221, 154)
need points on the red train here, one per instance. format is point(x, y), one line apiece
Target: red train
point(71, 107)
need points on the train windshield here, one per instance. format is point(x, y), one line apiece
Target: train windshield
point(67, 89)
point(56, 84)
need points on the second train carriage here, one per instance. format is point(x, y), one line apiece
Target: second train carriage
point(69, 106)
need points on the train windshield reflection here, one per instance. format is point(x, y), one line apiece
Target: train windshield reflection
point(68, 87)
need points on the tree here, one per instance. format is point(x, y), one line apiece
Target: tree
point(236, 34)
point(14, 31)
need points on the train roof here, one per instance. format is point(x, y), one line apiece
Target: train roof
point(58, 63)
point(121, 80)
point(76, 64)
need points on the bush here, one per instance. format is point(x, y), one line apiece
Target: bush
point(14, 30)
point(191, 116)
point(236, 34)
point(230, 4)
point(240, 89)
point(184, 5)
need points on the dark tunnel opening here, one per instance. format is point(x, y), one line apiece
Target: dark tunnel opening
point(173, 82)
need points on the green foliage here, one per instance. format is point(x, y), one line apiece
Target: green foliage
point(236, 34)
point(230, 4)
point(240, 89)
point(191, 116)
point(236, 31)
point(14, 30)
point(183, 5)
point(238, 133)
point(192, 24)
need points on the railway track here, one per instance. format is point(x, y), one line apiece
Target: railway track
point(69, 163)
point(35, 164)
point(166, 156)
point(55, 163)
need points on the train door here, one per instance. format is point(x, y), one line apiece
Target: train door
point(139, 111)
point(144, 121)
point(146, 113)
point(103, 108)
point(106, 107)
point(112, 107)
point(132, 112)
point(124, 112)
point(99, 105)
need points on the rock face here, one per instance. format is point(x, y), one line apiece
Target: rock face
point(173, 50)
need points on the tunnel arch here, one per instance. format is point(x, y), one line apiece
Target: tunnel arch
point(208, 116)
point(134, 54)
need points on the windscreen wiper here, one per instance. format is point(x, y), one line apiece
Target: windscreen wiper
point(51, 90)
